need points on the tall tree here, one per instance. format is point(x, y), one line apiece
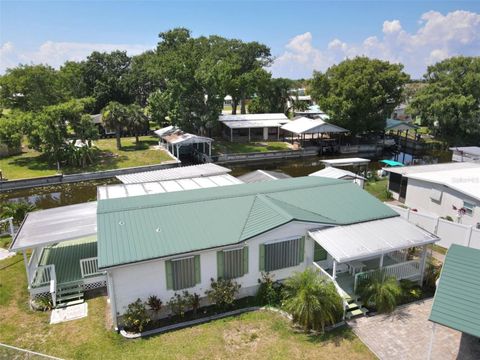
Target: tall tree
point(106, 77)
point(30, 87)
point(115, 116)
point(272, 96)
point(359, 94)
point(449, 103)
point(136, 120)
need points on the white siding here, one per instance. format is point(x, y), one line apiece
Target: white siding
point(144, 279)
point(418, 197)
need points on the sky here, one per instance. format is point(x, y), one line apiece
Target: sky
point(303, 35)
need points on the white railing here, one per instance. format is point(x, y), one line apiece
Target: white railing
point(89, 267)
point(43, 275)
point(405, 270)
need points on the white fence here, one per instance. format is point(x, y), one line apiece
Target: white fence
point(448, 231)
point(89, 267)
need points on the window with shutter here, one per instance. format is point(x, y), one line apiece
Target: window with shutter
point(283, 254)
point(232, 263)
point(183, 273)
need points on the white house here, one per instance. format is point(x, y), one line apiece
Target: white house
point(336, 173)
point(246, 127)
point(451, 189)
point(163, 243)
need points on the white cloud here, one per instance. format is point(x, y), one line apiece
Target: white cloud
point(56, 53)
point(437, 37)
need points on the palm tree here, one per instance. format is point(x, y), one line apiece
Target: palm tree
point(136, 120)
point(312, 301)
point(115, 117)
point(381, 290)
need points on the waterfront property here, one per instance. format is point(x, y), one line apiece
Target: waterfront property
point(178, 142)
point(247, 127)
point(451, 189)
point(159, 244)
point(262, 175)
point(336, 173)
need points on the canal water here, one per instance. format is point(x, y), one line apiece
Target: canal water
point(67, 194)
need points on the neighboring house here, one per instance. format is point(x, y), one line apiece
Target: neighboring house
point(313, 112)
point(457, 296)
point(262, 175)
point(165, 243)
point(451, 189)
point(467, 153)
point(178, 142)
point(246, 127)
point(341, 174)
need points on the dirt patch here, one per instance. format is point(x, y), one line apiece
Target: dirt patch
point(242, 336)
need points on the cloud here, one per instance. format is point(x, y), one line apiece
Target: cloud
point(56, 53)
point(437, 37)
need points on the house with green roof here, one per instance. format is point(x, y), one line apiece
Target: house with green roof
point(160, 244)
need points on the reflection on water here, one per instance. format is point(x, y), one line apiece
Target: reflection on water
point(66, 194)
point(46, 197)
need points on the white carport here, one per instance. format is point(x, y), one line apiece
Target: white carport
point(374, 239)
point(173, 138)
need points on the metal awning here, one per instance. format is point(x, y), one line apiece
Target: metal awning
point(306, 125)
point(158, 187)
point(346, 162)
point(44, 227)
point(370, 239)
point(253, 124)
point(182, 172)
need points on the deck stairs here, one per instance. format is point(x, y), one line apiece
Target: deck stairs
point(354, 308)
point(70, 293)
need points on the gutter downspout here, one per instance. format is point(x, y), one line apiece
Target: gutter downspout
point(111, 296)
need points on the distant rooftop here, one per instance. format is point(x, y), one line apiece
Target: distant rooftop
point(335, 173)
point(244, 121)
point(471, 150)
point(304, 125)
point(346, 162)
point(262, 175)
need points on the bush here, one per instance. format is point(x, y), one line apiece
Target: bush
point(192, 301)
point(432, 273)
point(380, 290)
point(410, 291)
point(177, 304)
point(44, 303)
point(136, 316)
point(223, 292)
point(269, 291)
point(154, 303)
point(312, 301)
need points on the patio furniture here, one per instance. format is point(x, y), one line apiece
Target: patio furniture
point(355, 266)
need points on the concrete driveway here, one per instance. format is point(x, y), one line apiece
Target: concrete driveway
point(406, 334)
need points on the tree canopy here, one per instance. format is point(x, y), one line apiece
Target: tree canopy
point(449, 103)
point(359, 94)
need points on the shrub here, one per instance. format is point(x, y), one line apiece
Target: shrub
point(380, 290)
point(410, 291)
point(269, 291)
point(432, 273)
point(44, 303)
point(136, 316)
point(192, 300)
point(223, 292)
point(312, 301)
point(177, 304)
point(154, 303)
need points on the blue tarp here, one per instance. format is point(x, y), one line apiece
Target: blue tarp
point(391, 163)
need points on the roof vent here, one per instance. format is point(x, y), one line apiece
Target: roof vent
point(121, 223)
point(158, 230)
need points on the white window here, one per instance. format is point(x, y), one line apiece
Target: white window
point(436, 195)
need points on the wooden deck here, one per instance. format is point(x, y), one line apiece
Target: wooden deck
point(66, 257)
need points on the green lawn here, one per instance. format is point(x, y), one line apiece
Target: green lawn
point(255, 335)
point(378, 189)
point(32, 164)
point(5, 241)
point(227, 147)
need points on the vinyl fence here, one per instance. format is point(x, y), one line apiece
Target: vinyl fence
point(448, 231)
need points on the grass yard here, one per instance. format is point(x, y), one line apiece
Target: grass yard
point(249, 336)
point(227, 147)
point(32, 164)
point(378, 189)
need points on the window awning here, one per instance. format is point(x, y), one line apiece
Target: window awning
point(44, 227)
point(370, 239)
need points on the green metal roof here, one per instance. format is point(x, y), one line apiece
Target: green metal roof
point(152, 226)
point(457, 299)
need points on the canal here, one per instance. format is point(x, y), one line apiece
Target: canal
point(67, 194)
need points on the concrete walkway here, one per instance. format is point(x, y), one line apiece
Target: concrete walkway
point(5, 254)
point(406, 334)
